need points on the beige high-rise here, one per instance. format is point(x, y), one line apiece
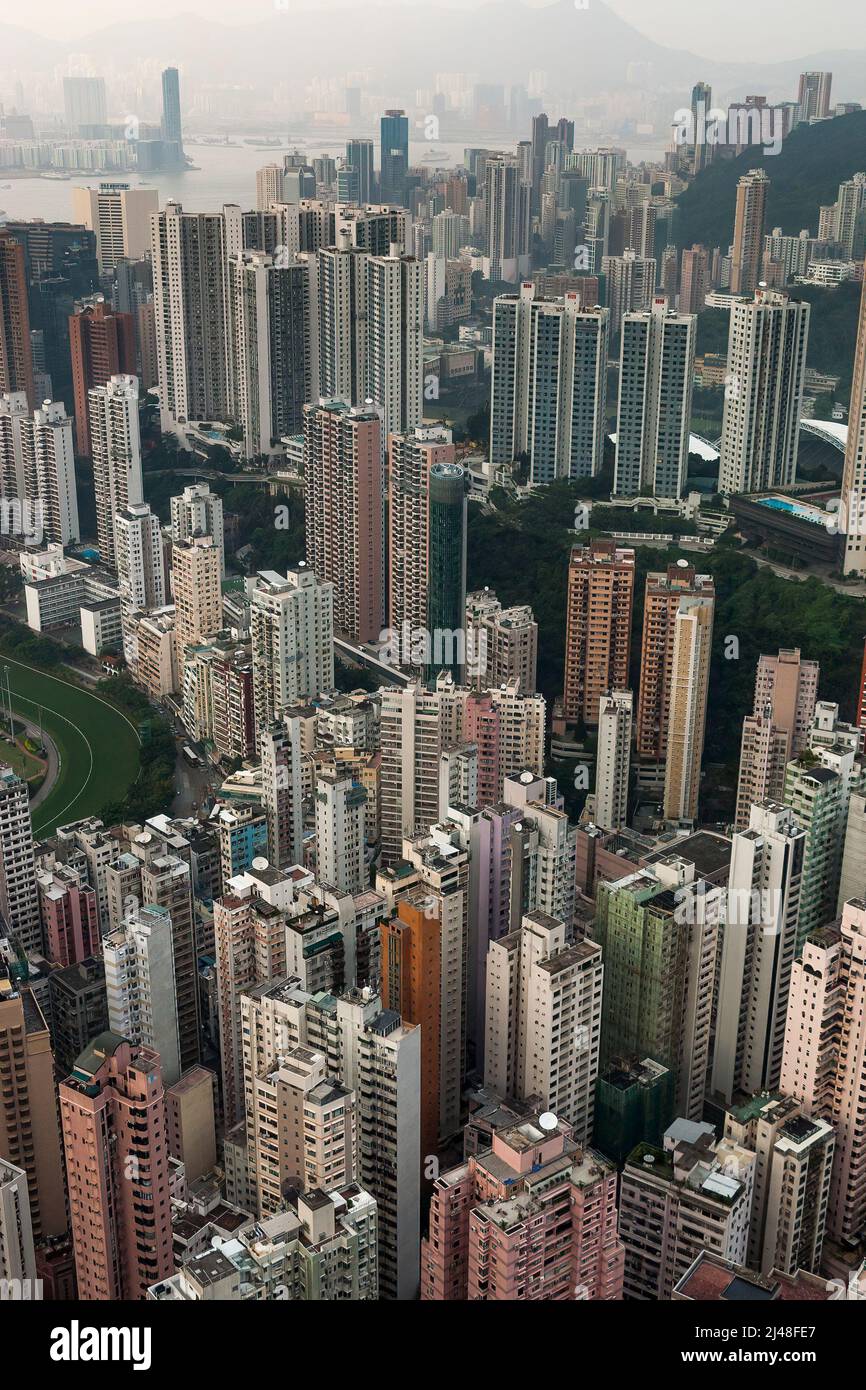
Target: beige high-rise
point(195, 566)
point(598, 626)
point(29, 1131)
point(690, 674)
point(749, 231)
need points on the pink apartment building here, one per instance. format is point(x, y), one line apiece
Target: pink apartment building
point(534, 1217)
point(112, 1111)
point(70, 916)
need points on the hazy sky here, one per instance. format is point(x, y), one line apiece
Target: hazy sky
point(727, 29)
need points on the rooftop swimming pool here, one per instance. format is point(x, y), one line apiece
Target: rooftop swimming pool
point(804, 510)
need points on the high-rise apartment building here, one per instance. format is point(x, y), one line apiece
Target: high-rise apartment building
point(140, 565)
point(84, 104)
point(340, 838)
point(506, 204)
point(631, 282)
point(189, 251)
point(292, 634)
point(120, 217)
point(749, 231)
point(115, 443)
point(19, 894)
point(658, 930)
point(280, 749)
point(370, 312)
point(112, 1108)
point(29, 1133)
point(196, 584)
point(598, 626)
point(532, 1217)
point(70, 916)
point(270, 348)
point(359, 158)
point(17, 1255)
point(813, 95)
point(792, 1181)
point(37, 471)
point(689, 689)
point(343, 482)
point(786, 688)
point(818, 795)
point(543, 1019)
point(102, 345)
point(426, 555)
point(657, 360)
point(411, 957)
point(548, 385)
point(694, 280)
point(852, 515)
point(662, 597)
point(764, 393)
point(198, 512)
point(394, 156)
point(613, 759)
point(691, 1195)
point(503, 642)
point(758, 948)
point(140, 985)
point(824, 1060)
point(16, 353)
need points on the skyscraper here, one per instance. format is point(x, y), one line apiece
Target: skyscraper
point(19, 896)
point(292, 634)
point(120, 217)
point(140, 985)
point(852, 517)
point(140, 563)
point(84, 104)
point(102, 345)
point(764, 396)
point(749, 231)
point(197, 590)
point(16, 359)
point(394, 156)
point(657, 359)
point(598, 627)
point(612, 759)
point(689, 689)
point(786, 688)
point(824, 1060)
point(411, 582)
point(694, 280)
point(340, 839)
point(534, 980)
point(37, 470)
point(758, 947)
point(270, 348)
point(813, 95)
point(359, 158)
point(506, 201)
point(115, 444)
point(548, 385)
point(29, 1133)
point(172, 129)
point(198, 512)
point(661, 605)
point(344, 515)
point(112, 1109)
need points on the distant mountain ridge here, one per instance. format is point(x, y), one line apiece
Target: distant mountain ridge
point(587, 51)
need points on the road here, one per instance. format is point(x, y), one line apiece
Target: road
point(857, 590)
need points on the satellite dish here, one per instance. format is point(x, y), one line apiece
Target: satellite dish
point(259, 862)
point(548, 1121)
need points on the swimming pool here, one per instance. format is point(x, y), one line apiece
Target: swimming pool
point(803, 510)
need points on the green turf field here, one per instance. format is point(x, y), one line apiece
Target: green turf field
point(97, 745)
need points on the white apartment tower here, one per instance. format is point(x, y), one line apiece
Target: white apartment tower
point(549, 384)
point(37, 471)
point(340, 809)
point(140, 985)
point(758, 947)
point(270, 347)
point(19, 895)
point(292, 630)
point(507, 208)
point(613, 756)
point(767, 343)
point(116, 451)
point(543, 1019)
point(689, 688)
point(657, 361)
point(280, 748)
point(198, 512)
